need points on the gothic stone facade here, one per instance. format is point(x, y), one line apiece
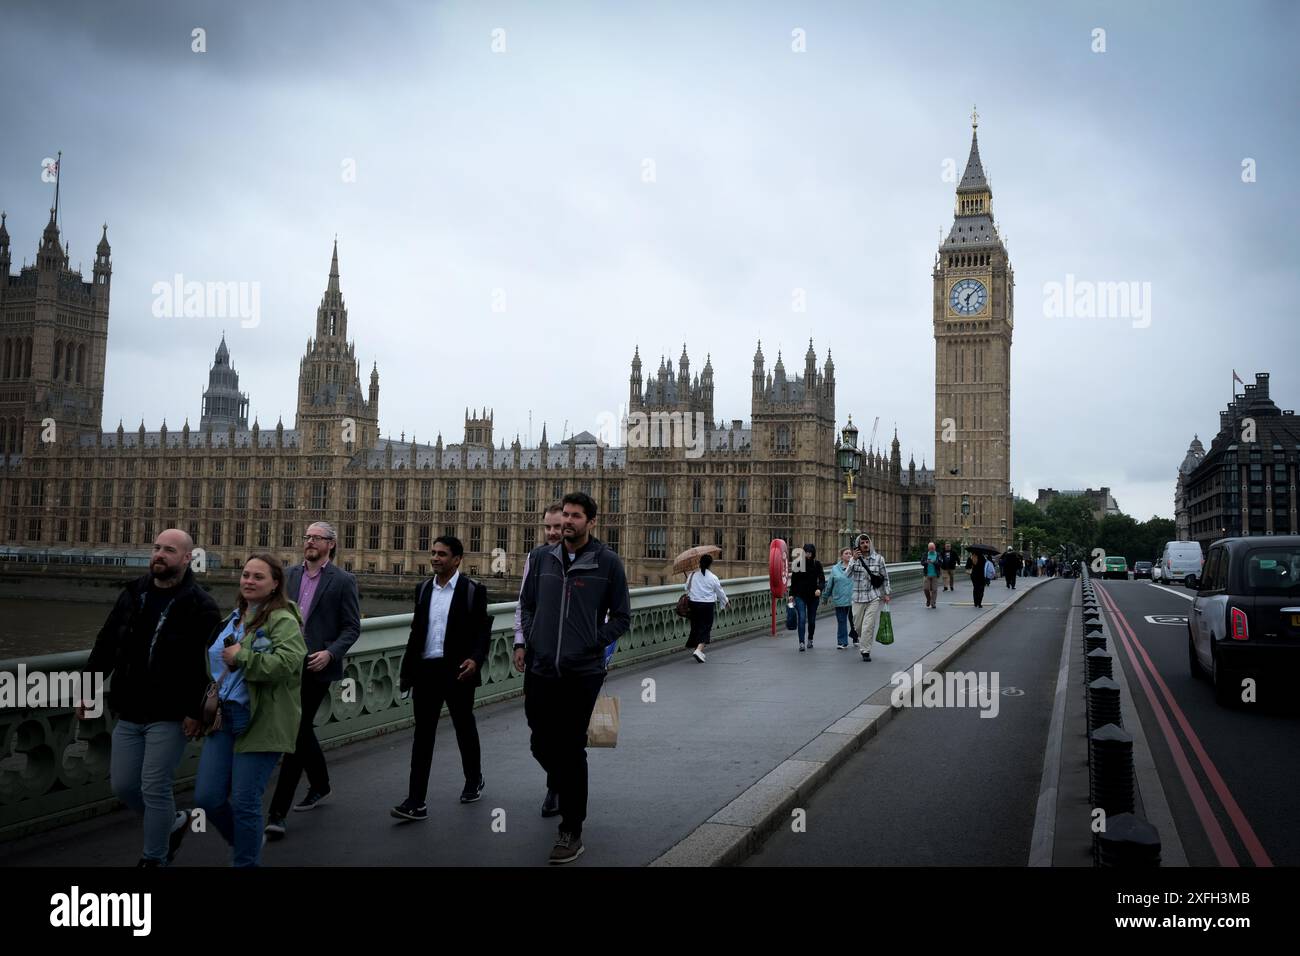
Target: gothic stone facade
point(973, 318)
point(237, 490)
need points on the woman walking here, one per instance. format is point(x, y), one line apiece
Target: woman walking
point(841, 593)
point(807, 586)
point(256, 661)
point(705, 591)
point(930, 567)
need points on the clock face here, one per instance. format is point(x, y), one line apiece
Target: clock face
point(968, 297)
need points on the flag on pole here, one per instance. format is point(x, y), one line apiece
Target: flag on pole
point(1236, 377)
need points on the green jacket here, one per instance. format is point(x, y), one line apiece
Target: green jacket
point(274, 681)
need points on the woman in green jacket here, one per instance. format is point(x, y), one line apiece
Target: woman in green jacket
point(256, 659)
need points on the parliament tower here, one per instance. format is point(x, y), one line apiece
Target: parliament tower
point(973, 318)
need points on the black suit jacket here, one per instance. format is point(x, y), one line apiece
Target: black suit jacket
point(469, 630)
point(334, 618)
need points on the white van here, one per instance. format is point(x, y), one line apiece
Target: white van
point(1181, 563)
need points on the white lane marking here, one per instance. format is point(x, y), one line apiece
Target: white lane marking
point(1188, 597)
point(1175, 619)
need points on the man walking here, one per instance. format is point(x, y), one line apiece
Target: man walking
point(870, 587)
point(444, 659)
point(1010, 568)
point(154, 645)
point(575, 605)
point(553, 528)
point(948, 563)
point(327, 598)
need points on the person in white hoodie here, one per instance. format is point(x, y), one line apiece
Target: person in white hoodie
point(705, 593)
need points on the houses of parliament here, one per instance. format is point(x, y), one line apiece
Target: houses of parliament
point(67, 484)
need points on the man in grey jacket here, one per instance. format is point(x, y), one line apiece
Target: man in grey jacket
point(327, 597)
point(575, 604)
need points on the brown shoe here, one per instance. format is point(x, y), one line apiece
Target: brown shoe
point(567, 848)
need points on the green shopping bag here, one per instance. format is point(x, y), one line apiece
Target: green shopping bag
point(885, 632)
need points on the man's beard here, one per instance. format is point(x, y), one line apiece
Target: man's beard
point(167, 574)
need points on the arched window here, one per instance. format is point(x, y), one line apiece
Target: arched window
point(81, 364)
point(27, 358)
point(9, 355)
point(58, 359)
point(783, 438)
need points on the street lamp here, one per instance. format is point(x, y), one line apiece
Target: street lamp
point(849, 458)
point(965, 521)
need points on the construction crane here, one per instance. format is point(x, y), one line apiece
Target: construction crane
point(872, 443)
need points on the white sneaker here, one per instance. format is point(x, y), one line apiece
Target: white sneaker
point(698, 655)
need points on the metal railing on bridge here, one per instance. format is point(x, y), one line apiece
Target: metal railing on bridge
point(54, 772)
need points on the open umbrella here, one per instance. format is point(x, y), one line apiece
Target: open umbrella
point(689, 559)
point(983, 549)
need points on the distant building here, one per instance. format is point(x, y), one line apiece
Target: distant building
point(1101, 500)
point(1195, 455)
point(1245, 484)
point(76, 489)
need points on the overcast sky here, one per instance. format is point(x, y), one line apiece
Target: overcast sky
point(524, 171)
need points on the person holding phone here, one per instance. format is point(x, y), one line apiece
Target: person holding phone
point(450, 634)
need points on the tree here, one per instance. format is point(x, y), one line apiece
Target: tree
point(1071, 520)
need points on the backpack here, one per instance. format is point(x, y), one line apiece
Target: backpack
point(990, 572)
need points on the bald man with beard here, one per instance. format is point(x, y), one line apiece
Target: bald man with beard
point(154, 645)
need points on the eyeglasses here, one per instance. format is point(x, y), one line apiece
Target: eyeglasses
point(310, 538)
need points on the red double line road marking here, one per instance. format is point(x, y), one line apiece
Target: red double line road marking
point(1217, 839)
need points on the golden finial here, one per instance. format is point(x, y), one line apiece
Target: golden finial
point(974, 117)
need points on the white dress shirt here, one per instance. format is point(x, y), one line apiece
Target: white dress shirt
point(705, 587)
point(439, 606)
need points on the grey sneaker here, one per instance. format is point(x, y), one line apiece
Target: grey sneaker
point(567, 848)
point(275, 828)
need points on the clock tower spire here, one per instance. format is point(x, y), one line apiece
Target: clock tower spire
point(973, 321)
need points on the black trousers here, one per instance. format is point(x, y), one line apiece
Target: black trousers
point(307, 754)
point(1011, 579)
point(701, 622)
point(979, 583)
point(558, 711)
point(435, 684)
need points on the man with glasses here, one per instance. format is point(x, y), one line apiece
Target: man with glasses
point(326, 596)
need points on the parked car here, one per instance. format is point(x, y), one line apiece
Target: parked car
point(1141, 569)
point(1115, 567)
point(1181, 563)
point(1245, 618)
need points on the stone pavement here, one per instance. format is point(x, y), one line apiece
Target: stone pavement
point(711, 732)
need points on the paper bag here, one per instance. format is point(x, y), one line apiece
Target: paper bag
point(602, 731)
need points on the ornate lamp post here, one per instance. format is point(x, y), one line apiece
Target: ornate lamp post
point(849, 458)
point(965, 521)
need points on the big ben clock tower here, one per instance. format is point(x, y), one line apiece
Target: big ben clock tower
point(973, 312)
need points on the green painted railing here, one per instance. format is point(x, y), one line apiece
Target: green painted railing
point(54, 769)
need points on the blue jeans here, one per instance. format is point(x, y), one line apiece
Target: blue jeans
point(842, 615)
point(807, 611)
point(142, 768)
point(230, 786)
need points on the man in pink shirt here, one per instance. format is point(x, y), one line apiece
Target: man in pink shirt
point(327, 598)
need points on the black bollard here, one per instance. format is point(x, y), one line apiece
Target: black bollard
point(1103, 704)
point(1110, 757)
point(1097, 663)
point(1129, 841)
